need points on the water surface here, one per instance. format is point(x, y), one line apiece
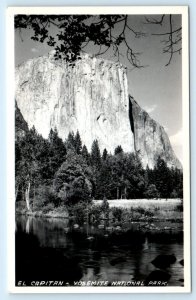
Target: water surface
point(52, 249)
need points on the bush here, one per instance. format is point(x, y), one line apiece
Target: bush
point(95, 213)
point(78, 211)
point(48, 207)
point(44, 195)
point(117, 213)
point(179, 208)
point(139, 210)
point(149, 213)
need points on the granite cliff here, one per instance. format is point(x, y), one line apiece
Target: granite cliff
point(150, 138)
point(92, 97)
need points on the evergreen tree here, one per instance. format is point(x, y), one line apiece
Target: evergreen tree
point(103, 182)
point(78, 143)
point(43, 156)
point(95, 155)
point(118, 177)
point(70, 143)
point(85, 154)
point(118, 150)
point(162, 178)
point(134, 174)
point(177, 183)
point(57, 152)
point(105, 154)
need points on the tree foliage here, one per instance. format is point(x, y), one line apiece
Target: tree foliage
point(57, 172)
point(70, 35)
point(95, 155)
point(72, 180)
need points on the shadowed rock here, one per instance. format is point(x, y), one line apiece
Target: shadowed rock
point(164, 261)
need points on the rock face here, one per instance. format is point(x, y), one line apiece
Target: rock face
point(92, 97)
point(150, 138)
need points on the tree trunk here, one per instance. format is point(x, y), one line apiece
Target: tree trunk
point(27, 191)
point(117, 193)
point(125, 193)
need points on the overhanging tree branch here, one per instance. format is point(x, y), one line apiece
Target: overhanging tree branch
point(173, 37)
point(109, 32)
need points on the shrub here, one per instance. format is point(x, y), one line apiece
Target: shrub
point(44, 195)
point(48, 207)
point(95, 213)
point(79, 212)
point(179, 208)
point(117, 213)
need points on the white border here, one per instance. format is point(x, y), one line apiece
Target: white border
point(134, 10)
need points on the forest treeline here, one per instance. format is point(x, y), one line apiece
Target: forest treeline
point(65, 172)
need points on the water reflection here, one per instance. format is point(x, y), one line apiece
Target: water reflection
point(52, 249)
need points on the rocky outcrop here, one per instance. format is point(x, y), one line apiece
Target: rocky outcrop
point(150, 138)
point(90, 96)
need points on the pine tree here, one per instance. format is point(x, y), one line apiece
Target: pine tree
point(57, 152)
point(70, 143)
point(162, 178)
point(95, 155)
point(103, 181)
point(118, 150)
point(78, 143)
point(134, 174)
point(85, 154)
point(105, 154)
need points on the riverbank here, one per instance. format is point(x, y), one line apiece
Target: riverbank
point(59, 212)
point(115, 213)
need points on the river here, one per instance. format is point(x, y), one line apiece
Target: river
point(54, 249)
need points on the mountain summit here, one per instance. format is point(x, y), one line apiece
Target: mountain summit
point(90, 96)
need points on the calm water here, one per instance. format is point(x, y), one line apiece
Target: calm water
point(52, 249)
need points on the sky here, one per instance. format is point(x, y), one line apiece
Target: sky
point(156, 88)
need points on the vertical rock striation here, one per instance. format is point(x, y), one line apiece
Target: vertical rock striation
point(90, 97)
point(150, 138)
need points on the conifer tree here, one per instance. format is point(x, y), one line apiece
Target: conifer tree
point(105, 154)
point(70, 143)
point(95, 154)
point(162, 178)
point(118, 150)
point(57, 151)
point(78, 143)
point(85, 154)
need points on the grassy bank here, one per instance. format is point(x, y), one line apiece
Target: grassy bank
point(116, 212)
point(139, 209)
point(47, 211)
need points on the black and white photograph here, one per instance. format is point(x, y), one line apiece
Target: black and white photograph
point(100, 102)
